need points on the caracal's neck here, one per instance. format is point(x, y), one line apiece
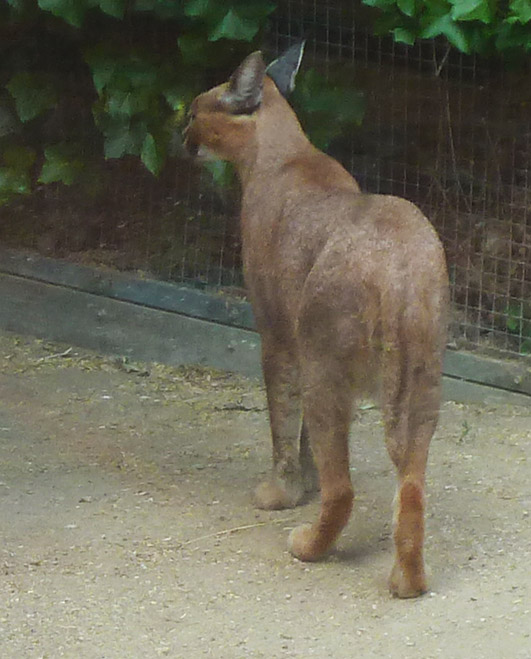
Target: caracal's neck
point(278, 138)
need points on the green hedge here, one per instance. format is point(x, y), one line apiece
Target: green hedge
point(83, 80)
point(481, 26)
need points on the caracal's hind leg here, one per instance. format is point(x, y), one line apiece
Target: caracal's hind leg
point(284, 488)
point(327, 411)
point(410, 420)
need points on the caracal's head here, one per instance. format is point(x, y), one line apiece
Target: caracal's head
point(223, 120)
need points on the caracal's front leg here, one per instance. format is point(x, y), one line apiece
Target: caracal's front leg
point(284, 488)
point(310, 475)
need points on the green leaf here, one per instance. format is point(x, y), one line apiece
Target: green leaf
point(123, 136)
point(62, 164)
point(521, 10)
point(437, 8)
point(18, 5)
point(471, 10)
point(213, 12)
point(327, 108)
point(381, 4)
point(114, 8)
point(222, 172)
point(33, 94)
point(198, 8)
point(120, 102)
point(525, 348)
point(407, 7)
point(128, 102)
point(233, 26)
point(315, 95)
point(13, 182)
point(152, 155)
point(513, 37)
point(103, 66)
point(140, 72)
point(176, 99)
point(444, 25)
point(71, 11)
point(118, 142)
point(179, 99)
point(402, 35)
point(162, 8)
point(514, 317)
point(513, 324)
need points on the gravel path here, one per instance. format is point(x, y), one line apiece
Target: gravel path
point(128, 529)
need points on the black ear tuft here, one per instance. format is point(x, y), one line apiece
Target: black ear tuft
point(284, 69)
point(244, 93)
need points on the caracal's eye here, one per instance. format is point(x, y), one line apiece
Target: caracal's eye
point(192, 110)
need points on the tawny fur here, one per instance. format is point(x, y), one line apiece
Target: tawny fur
point(349, 292)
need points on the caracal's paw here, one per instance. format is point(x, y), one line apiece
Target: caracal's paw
point(404, 586)
point(302, 543)
point(275, 494)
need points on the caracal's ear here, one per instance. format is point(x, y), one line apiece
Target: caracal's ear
point(244, 92)
point(284, 69)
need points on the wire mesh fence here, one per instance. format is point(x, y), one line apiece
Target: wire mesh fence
point(450, 132)
point(453, 134)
